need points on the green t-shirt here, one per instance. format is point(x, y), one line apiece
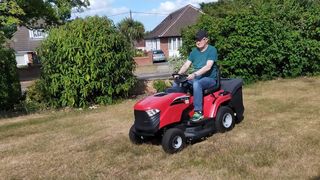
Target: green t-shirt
point(199, 59)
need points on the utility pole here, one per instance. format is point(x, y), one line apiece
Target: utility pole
point(130, 14)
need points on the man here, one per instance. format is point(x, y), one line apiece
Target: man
point(203, 58)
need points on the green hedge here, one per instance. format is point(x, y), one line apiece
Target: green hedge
point(260, 40)
point(86, 61)
point(10, 89)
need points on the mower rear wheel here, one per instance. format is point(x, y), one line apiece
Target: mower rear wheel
point(225, 119)
point(134, 138)
point(173, 140)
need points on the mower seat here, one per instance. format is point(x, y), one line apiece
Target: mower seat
point(214, 88)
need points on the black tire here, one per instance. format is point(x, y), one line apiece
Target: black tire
point(173, 140)
point(225, 119)
point(134, 138)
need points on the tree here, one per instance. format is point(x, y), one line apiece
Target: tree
point(133, 30)
point(28, 12)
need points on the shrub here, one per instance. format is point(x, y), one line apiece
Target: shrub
point(34, 98)
point(86, 61)
point(176, 63)
point(139, 53)
point(260, 40)
point(160, 85)
point(10, 89)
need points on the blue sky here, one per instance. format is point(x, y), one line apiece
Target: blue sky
point(148, 12)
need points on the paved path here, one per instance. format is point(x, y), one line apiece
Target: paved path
point(163, 72)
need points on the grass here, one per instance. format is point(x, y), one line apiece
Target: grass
point(278, 139)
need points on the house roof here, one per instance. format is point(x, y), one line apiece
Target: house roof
point(140, 43)
point(21, 41)
point(172, 25)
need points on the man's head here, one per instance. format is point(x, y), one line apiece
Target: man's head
point(201, 39)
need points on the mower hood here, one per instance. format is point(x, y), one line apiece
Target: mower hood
point(158, 101)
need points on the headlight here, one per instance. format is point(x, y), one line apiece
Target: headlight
point(152, 112)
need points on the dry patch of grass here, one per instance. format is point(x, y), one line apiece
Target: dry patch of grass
point(278, 139)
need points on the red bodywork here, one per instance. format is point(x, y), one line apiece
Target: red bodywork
point(172, 105)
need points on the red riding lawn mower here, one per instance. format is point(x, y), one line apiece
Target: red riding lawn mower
point(166, 116)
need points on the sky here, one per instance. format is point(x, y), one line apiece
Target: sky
point(149, 12)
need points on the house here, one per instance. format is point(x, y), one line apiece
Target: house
point(25, 42)
point(140, 45)
point(167, 35)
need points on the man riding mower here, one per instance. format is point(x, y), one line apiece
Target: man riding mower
point(167, 115)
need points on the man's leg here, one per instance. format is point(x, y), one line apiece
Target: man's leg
point(198, 86)
point(175, 88)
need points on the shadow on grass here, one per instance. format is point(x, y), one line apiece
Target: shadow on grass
point(315, 178)
point(157, 140)
point(12, 114)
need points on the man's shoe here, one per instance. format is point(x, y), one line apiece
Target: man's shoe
point(197, 116)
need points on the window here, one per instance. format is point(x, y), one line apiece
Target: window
point(37, 34)
point(175, 43)
point(152, 44)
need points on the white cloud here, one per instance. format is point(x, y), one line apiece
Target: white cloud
point(150, 18)
point(167, 6)
point(98, 7)
point(105, 7)
point(170, 6)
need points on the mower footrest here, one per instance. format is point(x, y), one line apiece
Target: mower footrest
point(197, 132)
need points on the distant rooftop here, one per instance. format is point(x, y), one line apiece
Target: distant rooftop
point(172, 25)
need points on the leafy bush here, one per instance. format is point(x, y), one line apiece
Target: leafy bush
point(86, 61)
point(10, 89)
point(34, 98)
point(176, 63)
point(160, 85)
point(260, 40)
point(139, 53)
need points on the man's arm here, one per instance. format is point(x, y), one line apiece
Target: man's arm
point(185, 67)
point(201, 71)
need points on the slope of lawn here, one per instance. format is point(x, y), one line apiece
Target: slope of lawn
point(278, 139)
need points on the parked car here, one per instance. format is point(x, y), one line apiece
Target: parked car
point(158, 55)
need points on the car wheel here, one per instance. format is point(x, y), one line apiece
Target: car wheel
point(173, 140)
point(225, 119)
point(134, 138)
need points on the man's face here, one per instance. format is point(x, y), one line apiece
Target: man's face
point(202, 43)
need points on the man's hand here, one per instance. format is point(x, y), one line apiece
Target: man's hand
point(191, 76)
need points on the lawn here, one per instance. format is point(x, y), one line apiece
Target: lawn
point(278, 139)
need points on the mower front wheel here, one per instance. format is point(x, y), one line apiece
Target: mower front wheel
point(134, 138)
point(173, 140)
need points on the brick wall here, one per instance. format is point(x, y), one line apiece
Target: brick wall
point(164, 46)
point(143, 61)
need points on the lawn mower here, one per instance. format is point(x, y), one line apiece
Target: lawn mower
point(166, 115)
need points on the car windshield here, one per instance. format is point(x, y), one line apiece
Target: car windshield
point(157, 52)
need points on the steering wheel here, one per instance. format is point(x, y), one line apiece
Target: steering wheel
point(179, 78)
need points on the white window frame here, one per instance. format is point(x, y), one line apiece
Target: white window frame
point(174, 43)
point(37, 34)
point(153, 44)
